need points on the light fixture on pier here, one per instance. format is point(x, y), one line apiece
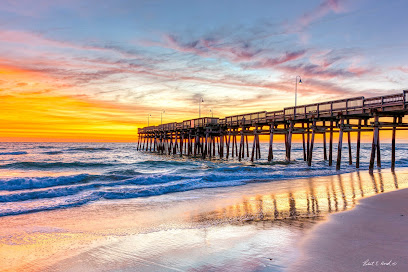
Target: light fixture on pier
point(199, 106)
point(300, 82)
point(161, 117)
point(212, 112)
point(148, 119)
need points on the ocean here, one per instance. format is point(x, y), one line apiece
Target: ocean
point(108, 207)
point(37, 177)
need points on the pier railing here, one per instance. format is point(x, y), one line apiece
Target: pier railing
point(325, 108)
point(357, 105)
point(246, 119)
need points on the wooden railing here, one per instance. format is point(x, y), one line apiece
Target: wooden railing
point(329, 108)
point(249, 118)
point(381, 101)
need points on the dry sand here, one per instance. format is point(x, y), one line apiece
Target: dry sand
point(371, 237)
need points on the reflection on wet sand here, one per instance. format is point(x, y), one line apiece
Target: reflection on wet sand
point(314, 200)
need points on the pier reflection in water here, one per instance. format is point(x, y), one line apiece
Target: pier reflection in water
point(314, 200)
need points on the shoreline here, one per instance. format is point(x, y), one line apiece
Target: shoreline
point(369, 237)
point(233, 220)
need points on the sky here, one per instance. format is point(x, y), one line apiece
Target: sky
point(94, 70)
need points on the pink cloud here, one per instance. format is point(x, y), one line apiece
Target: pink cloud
point(234, 52)
point(37, 39)
point(322, 10)
point(286, 57)
point(403, 69)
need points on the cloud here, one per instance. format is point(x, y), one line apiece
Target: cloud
point(315, 71)
point(210, 48)
point(403, 69)
point(273, 62)
point(38, 40)
point(320, 11)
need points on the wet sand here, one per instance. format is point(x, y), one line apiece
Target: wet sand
point(371, 237)
point(255, 227)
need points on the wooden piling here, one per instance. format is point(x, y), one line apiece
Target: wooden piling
point(349, 144)
point(358, 144)
point(374, 144)
point(308, 139)
point(228, 142)
point(247, 146)
point(253, 146)
point(331, 144)
point(233, 144)
point(258, 149)
point(303, 141)
point(270, 153)
point(213, 141)
point(195, 145)
point(309, 162)
point(340, 145)
point(393, 144)
point(324, 142)
point(241, 144)
point(204, 152)
point(378, 150)
point(181, 144)
point(289, 141)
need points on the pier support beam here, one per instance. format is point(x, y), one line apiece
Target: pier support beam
point(289, 141)
point(270, 152)
point(358, 144)
point(309, 161)
point(254, 145)
point(374, 144)
point(378, 150)
point(340, 145)
point(233, 143)
point(258, 148)
point(228, 142)
point(349, 144)
point(324, 142)
point(241, 143)
point(247, 146)
point(393, 144)
point(308, 139)
point(331, 144)
point(204, 151)
point(303, 141)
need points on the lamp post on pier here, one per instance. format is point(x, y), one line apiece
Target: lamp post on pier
point(199, 106)
point(161, 117)
point(212, 112)
point(300, 82)
point(148, 119)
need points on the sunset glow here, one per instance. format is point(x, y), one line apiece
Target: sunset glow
point(73, 72)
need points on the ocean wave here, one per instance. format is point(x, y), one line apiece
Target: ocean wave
point(60, 203)
point(163, 163)
point(126, 172)
point(13, 184)
point(45, 146)
point(83, 198)
point(14, 153)
point(54, 165)
point(89, 149)
point(53, 152)
point(160, 189)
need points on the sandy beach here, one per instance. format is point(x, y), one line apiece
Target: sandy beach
point(371, 237)
point(256, 227)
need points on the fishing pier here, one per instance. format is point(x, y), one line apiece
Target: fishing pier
point(209, 137)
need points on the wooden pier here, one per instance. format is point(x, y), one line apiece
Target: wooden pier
point(208, 137)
